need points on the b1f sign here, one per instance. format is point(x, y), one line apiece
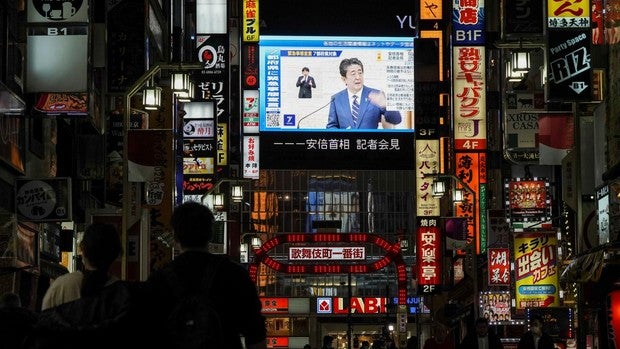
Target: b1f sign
point(468, 22)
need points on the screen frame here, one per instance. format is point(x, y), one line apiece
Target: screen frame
point(322, 54)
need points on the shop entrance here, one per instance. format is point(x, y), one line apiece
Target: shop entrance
point(373, 329)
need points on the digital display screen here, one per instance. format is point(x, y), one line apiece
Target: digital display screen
point(388, 66)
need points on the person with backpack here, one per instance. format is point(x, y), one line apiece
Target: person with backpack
point(202, 300)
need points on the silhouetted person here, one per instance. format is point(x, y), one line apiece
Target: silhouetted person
point(232, 294)
point(16, 321)
point(440, 340)
point(100, 247)
point(481, 338)
point(536, 338)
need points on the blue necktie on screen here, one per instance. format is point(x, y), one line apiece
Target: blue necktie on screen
point(355, 110)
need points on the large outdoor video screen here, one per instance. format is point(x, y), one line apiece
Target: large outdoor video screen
point(388, 67)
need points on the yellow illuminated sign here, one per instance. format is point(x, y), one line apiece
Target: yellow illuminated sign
point(250, 21)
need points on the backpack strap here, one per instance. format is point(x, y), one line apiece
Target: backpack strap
point(212, 268)
point(205, 283)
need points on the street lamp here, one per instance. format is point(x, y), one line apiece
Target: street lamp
point(244, 248)
point(457, 195)
point(218, 198)
point(218, 201)
point(237, 193)
point(439, 188)
point(131, 208)
point(520, 61)
point(151, 97)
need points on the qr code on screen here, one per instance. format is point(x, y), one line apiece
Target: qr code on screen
point(273, 120)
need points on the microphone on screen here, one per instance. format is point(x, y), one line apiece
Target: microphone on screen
point(321, 108)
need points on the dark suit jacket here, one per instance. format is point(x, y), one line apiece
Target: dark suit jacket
point(369, 115)
point(527, 341)
point(305, 88)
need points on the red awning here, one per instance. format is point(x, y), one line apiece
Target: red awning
point(63, 103)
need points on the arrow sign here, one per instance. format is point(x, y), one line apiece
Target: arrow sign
point(578, 86)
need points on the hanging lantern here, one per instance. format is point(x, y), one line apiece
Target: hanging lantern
point(151, 97)
point(520, 61)
point(179, 82)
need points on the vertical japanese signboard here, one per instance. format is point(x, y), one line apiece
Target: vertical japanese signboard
point(429, 255)
point(469, 98)
point(250, 21)
point(499, 266)
point(212, 81)
point(222, 144)
point(151, 160)
point(524, 17)
point(201, 143)
point(251, 157)
point(536, 270)
point(249, 58)
point(212, 50)
point(569, 47)
point(469, 169)
point(125, 44)
point(427, 162)
point(570, 65)
point(469, 75)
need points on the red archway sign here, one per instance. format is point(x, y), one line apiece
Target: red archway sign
point(392, 255)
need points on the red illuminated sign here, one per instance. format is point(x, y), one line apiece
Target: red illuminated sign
point(613, 311)
point(392, 255)
point(429, 247)
point(249, 55)
point(361, 305)
point(274, 305)
point(499, 267)
point(358, 305)
point(277, 342)
point(469, 98)
point(322, 253)
point(471, 169)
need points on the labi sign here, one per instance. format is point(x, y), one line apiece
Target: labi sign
point(43, 200)
point(570, 69)
point(45, 11)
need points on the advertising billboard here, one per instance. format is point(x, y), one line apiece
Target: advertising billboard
point(305, 114)
point(387, 66)
point(536, 270)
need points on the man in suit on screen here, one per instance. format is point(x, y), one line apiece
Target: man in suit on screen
point(359, 106)
point(305, 83)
